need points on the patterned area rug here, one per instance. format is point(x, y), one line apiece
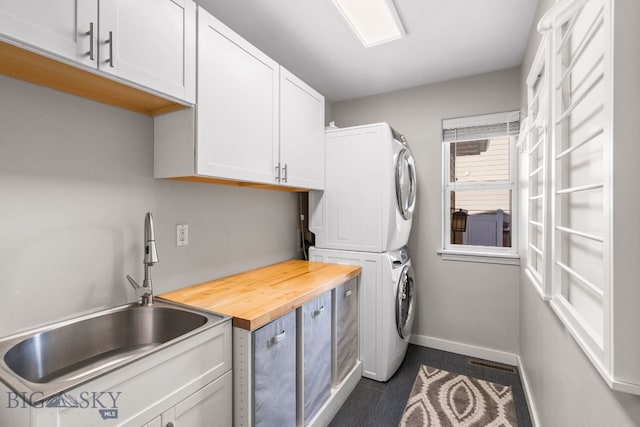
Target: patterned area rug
point(441, 398)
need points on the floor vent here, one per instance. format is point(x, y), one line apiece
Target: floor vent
point(493, 365)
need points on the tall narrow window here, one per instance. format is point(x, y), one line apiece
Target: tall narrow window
point(581, 184)
point(536, 164)
point(479, 185)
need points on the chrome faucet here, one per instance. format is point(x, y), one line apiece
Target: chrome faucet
point(150, 258)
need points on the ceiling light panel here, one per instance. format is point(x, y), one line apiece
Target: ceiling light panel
point(374, 21)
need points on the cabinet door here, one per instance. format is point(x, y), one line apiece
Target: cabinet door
point(237, 106)
point(58, 27)
point(316, 316)
point(156, 422)
point(150, 43)
point(210, 406)
point(346, 327)
point(274, 373)
point(301, 133)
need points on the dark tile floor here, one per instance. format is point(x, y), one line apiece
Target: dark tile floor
point(375, 404)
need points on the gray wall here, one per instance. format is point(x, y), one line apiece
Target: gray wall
point(566, 388)
point(462, 302)
point(75, 183)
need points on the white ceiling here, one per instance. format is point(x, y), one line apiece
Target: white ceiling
point(446, 39)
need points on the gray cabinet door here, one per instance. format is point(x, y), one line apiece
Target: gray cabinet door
point(346, 327)
point(317, 354)
point(274, 373)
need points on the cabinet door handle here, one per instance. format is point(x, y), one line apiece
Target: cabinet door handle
point(110, 42)
point(284, 173)
point(317, 312)
point(276, 339)
point(348, 293)
point(278, 172)
point(170, 424)
point(90, 34)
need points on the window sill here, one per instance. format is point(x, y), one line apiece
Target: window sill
point(482, 257)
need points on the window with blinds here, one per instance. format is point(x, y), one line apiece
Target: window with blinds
point(479, 190)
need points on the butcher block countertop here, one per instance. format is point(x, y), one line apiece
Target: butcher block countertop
point(256, 297)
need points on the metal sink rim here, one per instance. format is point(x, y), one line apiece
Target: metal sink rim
point(41, 392)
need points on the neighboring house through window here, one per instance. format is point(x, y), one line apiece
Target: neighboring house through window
point(479, 188)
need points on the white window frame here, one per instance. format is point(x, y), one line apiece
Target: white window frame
point(486, 254)
point(613, 349)
point(535, 141)
point(596, 345)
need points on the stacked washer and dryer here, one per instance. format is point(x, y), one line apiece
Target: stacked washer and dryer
point(363, 218)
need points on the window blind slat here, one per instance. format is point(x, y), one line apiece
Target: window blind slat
point(481, 131)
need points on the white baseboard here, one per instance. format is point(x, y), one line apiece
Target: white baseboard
point(528, 393)
point(466, 349)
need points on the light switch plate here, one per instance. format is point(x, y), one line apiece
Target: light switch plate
point(182, 234)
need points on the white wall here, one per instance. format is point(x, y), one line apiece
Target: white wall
point(565, 387)
point(75, 183)
point(462, 302)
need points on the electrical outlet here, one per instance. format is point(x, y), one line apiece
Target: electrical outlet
point(182, 234)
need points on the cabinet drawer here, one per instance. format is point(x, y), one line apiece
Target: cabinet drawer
point(346, 329)
point(274, 373)
point(316, 315)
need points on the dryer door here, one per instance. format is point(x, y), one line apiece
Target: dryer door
point(405, 307)
point(405, 183)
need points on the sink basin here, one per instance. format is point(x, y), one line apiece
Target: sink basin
point(54, 358)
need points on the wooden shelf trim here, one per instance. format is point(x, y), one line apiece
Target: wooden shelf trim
point(256, 297)
point(35, 68)
point(208, 180)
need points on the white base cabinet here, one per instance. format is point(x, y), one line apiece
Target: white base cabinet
point(188, 383)
point(211, 405)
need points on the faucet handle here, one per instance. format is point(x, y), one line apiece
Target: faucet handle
point(140, 290)
point(133, 282)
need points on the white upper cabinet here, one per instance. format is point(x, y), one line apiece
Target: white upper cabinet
point(147, 42)
point(151, 43)
point(237, 133)
point(255, 122)
point(301, 133)
point(63, 28)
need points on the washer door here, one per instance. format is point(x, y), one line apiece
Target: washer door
point(405, 183)
point(405, 302)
